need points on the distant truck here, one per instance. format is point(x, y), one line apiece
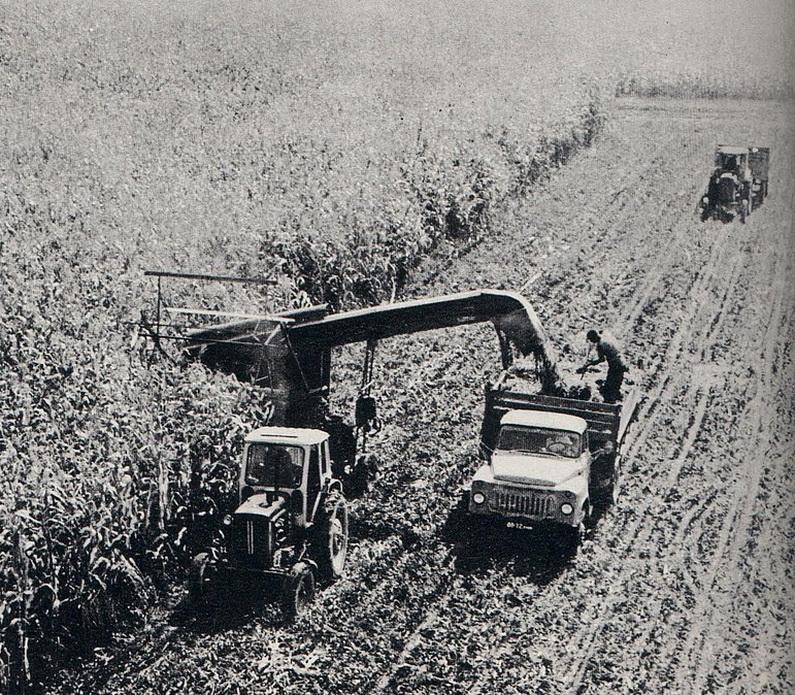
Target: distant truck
point(738, 183)
point(551, 461)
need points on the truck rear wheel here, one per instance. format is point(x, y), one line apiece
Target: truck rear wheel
point(615, 486)
point(607, 496)
point(298, 591)
point(331, 537)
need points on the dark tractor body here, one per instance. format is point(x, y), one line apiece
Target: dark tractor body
point(738, 183)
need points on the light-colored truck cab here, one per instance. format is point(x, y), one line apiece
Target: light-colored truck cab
point(538, 471)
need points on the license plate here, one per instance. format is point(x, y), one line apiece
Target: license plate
point(519, 524)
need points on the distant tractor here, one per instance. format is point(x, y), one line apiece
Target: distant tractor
point(291, 523)
point(738, 183)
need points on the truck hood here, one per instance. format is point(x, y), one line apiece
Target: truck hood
point(536, 470)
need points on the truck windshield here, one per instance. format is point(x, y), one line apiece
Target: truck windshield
point(274, 465)
point(538, 440)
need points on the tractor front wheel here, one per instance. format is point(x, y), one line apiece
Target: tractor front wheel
point(298, 591)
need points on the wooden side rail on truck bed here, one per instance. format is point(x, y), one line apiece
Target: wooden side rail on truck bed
point(607, 422)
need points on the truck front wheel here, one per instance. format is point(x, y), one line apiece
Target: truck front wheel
point(298, 591)
point(571, 538)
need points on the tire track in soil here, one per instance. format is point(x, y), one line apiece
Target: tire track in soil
point(742, 491)
point(640, 535)
point(699, 645)
point(671, 373)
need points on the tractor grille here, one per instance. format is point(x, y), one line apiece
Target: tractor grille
point(250, 542)
point(526, 504)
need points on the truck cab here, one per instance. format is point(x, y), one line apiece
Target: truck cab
point(549, 460)
point(538, 471)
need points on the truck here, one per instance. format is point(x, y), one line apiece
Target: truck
point(738, 183)
point(302, 464)
point(550, 461)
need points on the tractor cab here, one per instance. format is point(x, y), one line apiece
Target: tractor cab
point(286, 463)
point(732, 161)
point(291, 522)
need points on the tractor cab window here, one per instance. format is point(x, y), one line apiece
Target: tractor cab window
point(314, 470)
point(274, 465)
point(539, 441)
point(732, 162)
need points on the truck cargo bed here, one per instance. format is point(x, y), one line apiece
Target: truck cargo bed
point(607, 422)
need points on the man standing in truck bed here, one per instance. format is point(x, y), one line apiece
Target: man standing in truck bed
point(607, 349)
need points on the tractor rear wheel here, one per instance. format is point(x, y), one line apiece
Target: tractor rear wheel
point(743, 210)
point(201, 576)
point(298, 591)
point(331, 537)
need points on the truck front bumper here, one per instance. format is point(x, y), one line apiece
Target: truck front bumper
point(526, 506)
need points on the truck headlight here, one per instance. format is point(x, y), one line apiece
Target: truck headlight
point(478, 497)
point(566, 508)
point(227, 520)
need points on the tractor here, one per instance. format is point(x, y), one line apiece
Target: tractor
point(291, 523)
point(738, 183)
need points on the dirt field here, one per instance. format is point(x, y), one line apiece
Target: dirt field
point(687, 585)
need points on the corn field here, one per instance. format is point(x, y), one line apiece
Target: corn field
point(334, 152)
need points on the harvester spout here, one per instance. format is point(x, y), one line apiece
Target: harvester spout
point(305, 340)
point(518, 327)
